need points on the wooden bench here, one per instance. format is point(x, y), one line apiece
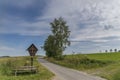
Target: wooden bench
point(24, 69)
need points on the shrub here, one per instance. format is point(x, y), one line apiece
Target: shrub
point(59, 57)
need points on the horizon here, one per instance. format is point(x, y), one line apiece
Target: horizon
point(94, 25)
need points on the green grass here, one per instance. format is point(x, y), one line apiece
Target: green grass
point(112, 71)
point(7, 64)
point(106, 65)
point(80, 62)
point(105, 56)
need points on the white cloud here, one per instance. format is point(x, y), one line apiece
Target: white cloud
point(89, 20)
point(5, 48)
point(25, 28)
point(96, 17)
point(100, 40)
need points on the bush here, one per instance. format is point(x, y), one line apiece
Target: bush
point(60, 57)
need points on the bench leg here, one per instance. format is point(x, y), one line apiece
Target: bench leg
point(15, 73)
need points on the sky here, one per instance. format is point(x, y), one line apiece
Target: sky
point(94, 24)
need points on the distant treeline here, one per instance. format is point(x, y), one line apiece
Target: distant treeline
point(112, 50)
point(4, 56)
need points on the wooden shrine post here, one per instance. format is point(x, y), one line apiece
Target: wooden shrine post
point(32, 49)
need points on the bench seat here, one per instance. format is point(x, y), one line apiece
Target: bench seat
point(25, 69)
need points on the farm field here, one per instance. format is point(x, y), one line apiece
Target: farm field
point(7, 64)
point(106, 65)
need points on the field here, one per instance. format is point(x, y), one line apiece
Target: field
point(106, 65)
point(7, 64)
point(112, 71)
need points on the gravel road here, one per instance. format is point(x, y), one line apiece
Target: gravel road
point(63, 73)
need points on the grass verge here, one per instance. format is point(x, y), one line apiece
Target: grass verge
point(106, 65)
point(79, 62)
point(7, 64)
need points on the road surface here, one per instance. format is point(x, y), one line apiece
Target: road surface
point(63, 73)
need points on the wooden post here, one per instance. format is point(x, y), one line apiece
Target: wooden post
point(31, 60)
point(32, 49)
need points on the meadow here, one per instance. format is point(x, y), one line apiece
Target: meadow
point(112, 71)
point(8, 64)
point(106, 65)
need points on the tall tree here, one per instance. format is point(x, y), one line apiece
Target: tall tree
point(106, 51)
point(48, 46)
point(115, 50)
point(110, 50)
point(57, 42)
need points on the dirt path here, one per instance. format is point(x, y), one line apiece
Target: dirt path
point(63, 73)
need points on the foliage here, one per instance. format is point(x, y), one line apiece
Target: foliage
point(49, 47)
point(115, 50)
point(57, 42)
point(111, 50)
